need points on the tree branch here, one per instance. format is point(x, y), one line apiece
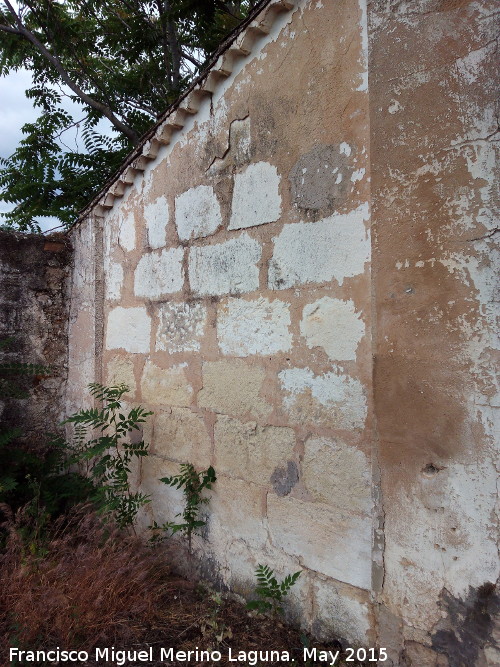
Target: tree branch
point(128, 131)
point(8, 28)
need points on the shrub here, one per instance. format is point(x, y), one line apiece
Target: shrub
point(192, 484)
point(108, 457)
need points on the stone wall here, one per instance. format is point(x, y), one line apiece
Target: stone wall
point(296, 276)
point(34, 273)
point(434, 140)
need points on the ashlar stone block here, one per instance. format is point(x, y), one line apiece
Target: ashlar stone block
point(237, 512)
point(337, 474)
point(113, 279)
point(342, 611)
point(328, 540)
point(334, 325)
point(197, 213)
point(251, 452)
point(225, 268)
point(168, 386)
point(156, 215)
point(181, 327)
point(253, 327)
point(233, 387)
point(332, 399)
point(166, 501)
point(126, 232)
point(334, 248)
point(159, 274)
point(120, 370)
point(181, 435)
point(256, 197)
point(128, 328)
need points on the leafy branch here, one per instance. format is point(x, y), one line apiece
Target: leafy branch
point(109, 455)
point(193, 484)
point(270, 591)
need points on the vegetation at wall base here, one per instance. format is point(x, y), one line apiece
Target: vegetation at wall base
point(193, 484)
point(37, 480)
point(96, 586)
point(107, 458)
point(269, 591)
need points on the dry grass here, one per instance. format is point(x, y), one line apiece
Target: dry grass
point(94, 587)
point(91, 586)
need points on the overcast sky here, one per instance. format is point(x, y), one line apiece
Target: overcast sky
point(16, 110)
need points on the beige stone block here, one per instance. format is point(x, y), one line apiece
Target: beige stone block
point(251, 452)
point(182, 435)
point(341, 611)
point(233, 387)
point(120, 370)
point(337, 474)
point(328, 540)
point(166, 386)
point(237, 512)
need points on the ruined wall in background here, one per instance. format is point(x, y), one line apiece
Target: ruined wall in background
point(34, 273)
point(341, 384)
point(434, 139)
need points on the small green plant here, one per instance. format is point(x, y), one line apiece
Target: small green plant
point(193, 484)
point(109, 455)
point(269, 591)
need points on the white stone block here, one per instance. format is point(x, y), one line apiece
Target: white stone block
point(331, 399)
point(197, 213)
point(253, 327)
point(128, 328)
point(181, 327)
point(126, 232)
point(317, 252)
point(156, 217)
point(225, 268)
point(256, 198)
point(328, 540)
point(158, 274)
point(341, 611)
point(334, 325)
point(113, 279)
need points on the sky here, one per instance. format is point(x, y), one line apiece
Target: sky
point(16, 110)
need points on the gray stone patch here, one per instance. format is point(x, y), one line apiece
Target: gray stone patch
point(321, 179)
point(468, 624)
point(181, 327)
point(285, 478)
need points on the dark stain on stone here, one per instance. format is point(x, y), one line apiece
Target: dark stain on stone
point(321, 179)
point(431, 469)
point(468, 626)
point(285, 478)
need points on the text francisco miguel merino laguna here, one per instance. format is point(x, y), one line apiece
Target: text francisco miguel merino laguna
point(123, 657)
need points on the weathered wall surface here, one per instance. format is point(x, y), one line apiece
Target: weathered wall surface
point(434, 140)
point(341, 385)
point(34, 272)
